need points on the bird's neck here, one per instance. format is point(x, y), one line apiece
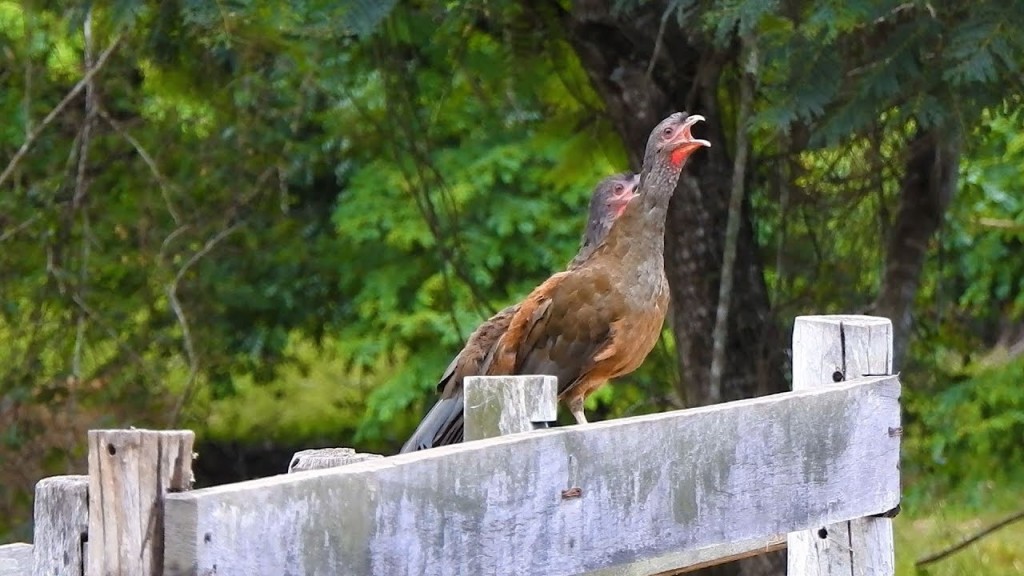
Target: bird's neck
point(597, 230)
point(639, 234)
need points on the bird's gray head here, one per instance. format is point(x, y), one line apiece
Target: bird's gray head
point(607, 203)
point(672, 141)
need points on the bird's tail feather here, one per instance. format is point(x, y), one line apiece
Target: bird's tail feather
point(440, 427)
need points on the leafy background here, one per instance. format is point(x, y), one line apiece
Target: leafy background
point(275, 224)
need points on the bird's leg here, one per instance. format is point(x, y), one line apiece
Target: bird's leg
point(576, 408)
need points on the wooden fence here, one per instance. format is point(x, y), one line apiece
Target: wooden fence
point(815, 470)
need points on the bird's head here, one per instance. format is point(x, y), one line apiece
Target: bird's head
point(614, 193)
point(609, 200)
point(672, 138)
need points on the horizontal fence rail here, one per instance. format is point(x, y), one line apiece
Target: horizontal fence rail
point(561, 501)
point(815, 471)
point(16, 559)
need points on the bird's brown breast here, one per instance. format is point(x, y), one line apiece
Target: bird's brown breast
point(631, 339)
point(583, 327)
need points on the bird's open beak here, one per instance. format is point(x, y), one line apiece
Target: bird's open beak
point(686, 138)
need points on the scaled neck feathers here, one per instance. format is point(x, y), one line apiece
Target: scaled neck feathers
point(641, 228)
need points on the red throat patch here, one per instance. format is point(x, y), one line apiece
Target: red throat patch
point(678, 156)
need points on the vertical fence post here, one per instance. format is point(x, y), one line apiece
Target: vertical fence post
point(829, 349)
point(130, 472)
point(499, 405)
point(61, 526)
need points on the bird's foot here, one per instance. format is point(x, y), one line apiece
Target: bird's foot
point(576, 408)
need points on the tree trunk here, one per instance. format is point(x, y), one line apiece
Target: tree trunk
point(617, 50)
point(926, 189)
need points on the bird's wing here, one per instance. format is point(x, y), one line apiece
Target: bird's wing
point(443, 425)
point(563, 328)
point(469, 360)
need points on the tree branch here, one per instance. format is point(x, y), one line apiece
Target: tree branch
point(426, 176)
point(80, 196)
point(166, 186)
point(732, 228)
point(931, 558)
point(26, 102)
point(179, 313)
point(115, 334)
point(10, 233)
point(658, 40)
point(71, 95)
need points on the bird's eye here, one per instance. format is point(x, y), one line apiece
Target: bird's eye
point(619, 188)
point(667, 131)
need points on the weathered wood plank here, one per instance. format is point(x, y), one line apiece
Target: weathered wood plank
point(693, 560)
point(61, 526)
point(16, 559)
point(717, 555)
point(501, 405)
point(829, 349)
point(874, 537)
point(130, 472)
point(560, 501)
point(322, 458)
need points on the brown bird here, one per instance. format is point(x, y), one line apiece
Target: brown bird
point(443, 424)
point(601, 319)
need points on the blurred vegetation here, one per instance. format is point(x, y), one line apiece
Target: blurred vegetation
point(947, 521)
point(275, 224)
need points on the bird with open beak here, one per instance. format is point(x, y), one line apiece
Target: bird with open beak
point(601, 319)
point(443, 425)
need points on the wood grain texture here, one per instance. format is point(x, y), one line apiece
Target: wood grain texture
point(16, 559)
point(130, 473)
point(560, 501)
point(61, 526)
point(827, 349)
point(874, 537)
point(501, 405)
point(819, 352)
point(692, 560)
point(321, 458)
point(506, 393)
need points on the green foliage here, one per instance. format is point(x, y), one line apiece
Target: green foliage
point(459, 221)
point(987, 223)
point(845, 85)
point(286, 218)
point(967, 412)
point(977, 420)
point(313, 396)
point(837, 67)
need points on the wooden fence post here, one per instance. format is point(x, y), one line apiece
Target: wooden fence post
point(829, 349)
point(61, 526)
point(500, 405)
point(130, 472)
